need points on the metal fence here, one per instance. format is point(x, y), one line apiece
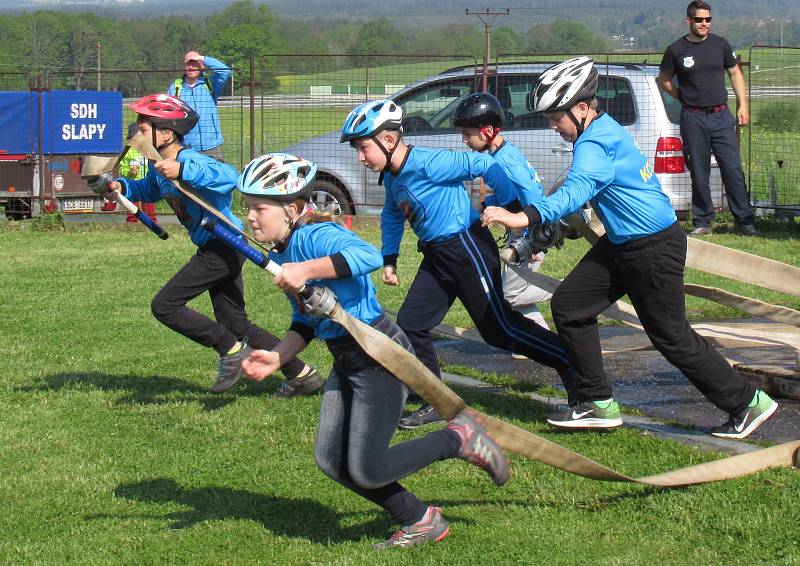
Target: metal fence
point(303, 116)
point(297, 103)
point(771, 146)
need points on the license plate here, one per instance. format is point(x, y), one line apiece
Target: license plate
point(78, 205)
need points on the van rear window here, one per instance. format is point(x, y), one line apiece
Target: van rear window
point(615, 96)
point(672, 106)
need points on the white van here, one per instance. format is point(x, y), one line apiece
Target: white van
point(628, 92)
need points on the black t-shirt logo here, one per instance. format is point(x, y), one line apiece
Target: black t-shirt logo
point(688, 62)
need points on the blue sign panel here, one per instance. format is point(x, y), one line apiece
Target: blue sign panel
point(83, 122)
point(73, 122)
point(18, 122)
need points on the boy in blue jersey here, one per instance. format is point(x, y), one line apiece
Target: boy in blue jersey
point(215, 268)
point(479, 118)
point(642, 255)
point(460, 257)
point(362, 402)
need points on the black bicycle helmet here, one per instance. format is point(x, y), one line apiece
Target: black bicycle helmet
point(477, 110)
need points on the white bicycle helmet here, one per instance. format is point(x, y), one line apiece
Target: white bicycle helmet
point(371, 118)
point(564, 85)
point(281, 177)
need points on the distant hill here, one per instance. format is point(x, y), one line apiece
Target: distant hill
point(425, 13)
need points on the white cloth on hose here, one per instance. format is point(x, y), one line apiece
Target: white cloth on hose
point(522, 296)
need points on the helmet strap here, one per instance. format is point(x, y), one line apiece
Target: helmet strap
point(489, 136)
point(161, 147)
point(580, 126)
point(388, 153)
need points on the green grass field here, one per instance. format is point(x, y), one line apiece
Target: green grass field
point(355, 80)
point(113, 450)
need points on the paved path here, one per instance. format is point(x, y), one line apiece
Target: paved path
point(641, 380)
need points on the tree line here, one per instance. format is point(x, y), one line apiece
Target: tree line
point(65, 45)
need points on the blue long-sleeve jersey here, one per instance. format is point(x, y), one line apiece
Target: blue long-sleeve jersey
point(201, 96)
point(610, 171)
point(356, 293)
point(526, 180)
point(428, 192)
point(212, 180)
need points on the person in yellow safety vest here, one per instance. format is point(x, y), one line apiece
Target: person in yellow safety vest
point(134, 166)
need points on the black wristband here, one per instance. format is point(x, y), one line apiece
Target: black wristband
point(340, 266)
point(306, 332)
point(533, 215)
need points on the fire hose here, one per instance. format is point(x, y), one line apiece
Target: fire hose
point(408, 369)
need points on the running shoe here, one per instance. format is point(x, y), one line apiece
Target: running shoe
point(308, 384)
point(589, 414)
point(230, 368)
point(423, 416)
point(742, 424)
point(478, 448)
point(432, 528)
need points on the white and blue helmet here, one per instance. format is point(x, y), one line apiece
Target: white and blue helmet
point(371, 118)
point(564, 85)
point(281, 177)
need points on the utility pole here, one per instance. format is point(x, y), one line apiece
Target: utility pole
point(98, 34)
point(487, 18)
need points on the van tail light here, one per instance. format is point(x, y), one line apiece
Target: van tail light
point(669, 156)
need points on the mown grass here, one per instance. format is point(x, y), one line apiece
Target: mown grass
point(355, 80)
point(113, 451)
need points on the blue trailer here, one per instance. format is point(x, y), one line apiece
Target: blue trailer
point(43, 137)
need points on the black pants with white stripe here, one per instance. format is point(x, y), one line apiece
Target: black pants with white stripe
point(467, 267)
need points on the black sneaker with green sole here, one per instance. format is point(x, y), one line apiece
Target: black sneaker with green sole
point(589, 414)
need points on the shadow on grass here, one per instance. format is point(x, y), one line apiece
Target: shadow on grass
point(151, 390)
point(305, 518)
point(504, 405)
point(294, 517)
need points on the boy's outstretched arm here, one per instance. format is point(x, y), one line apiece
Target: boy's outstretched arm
point(502, 216)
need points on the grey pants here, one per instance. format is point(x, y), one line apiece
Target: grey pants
point(361, 406)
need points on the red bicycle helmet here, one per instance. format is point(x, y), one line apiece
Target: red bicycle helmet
point(166, 112)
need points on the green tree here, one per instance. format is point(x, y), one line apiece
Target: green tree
point(565, 37)
point(451, 39)
point(507, 40)
point(243, 30)
point(379, 36)
point(14, 62)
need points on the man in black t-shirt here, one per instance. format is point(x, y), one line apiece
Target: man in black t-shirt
point(698, 60)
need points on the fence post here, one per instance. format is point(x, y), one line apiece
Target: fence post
point(252, 107)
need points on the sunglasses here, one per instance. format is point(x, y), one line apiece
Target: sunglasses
point(699, 20)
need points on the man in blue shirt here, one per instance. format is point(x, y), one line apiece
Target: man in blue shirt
point(201, 93)
point(643, 255)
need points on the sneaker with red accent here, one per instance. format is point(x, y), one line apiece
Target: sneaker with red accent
point(431, 528)
point(478, 448)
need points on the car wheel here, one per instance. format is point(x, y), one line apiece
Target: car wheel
point(329, 198)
